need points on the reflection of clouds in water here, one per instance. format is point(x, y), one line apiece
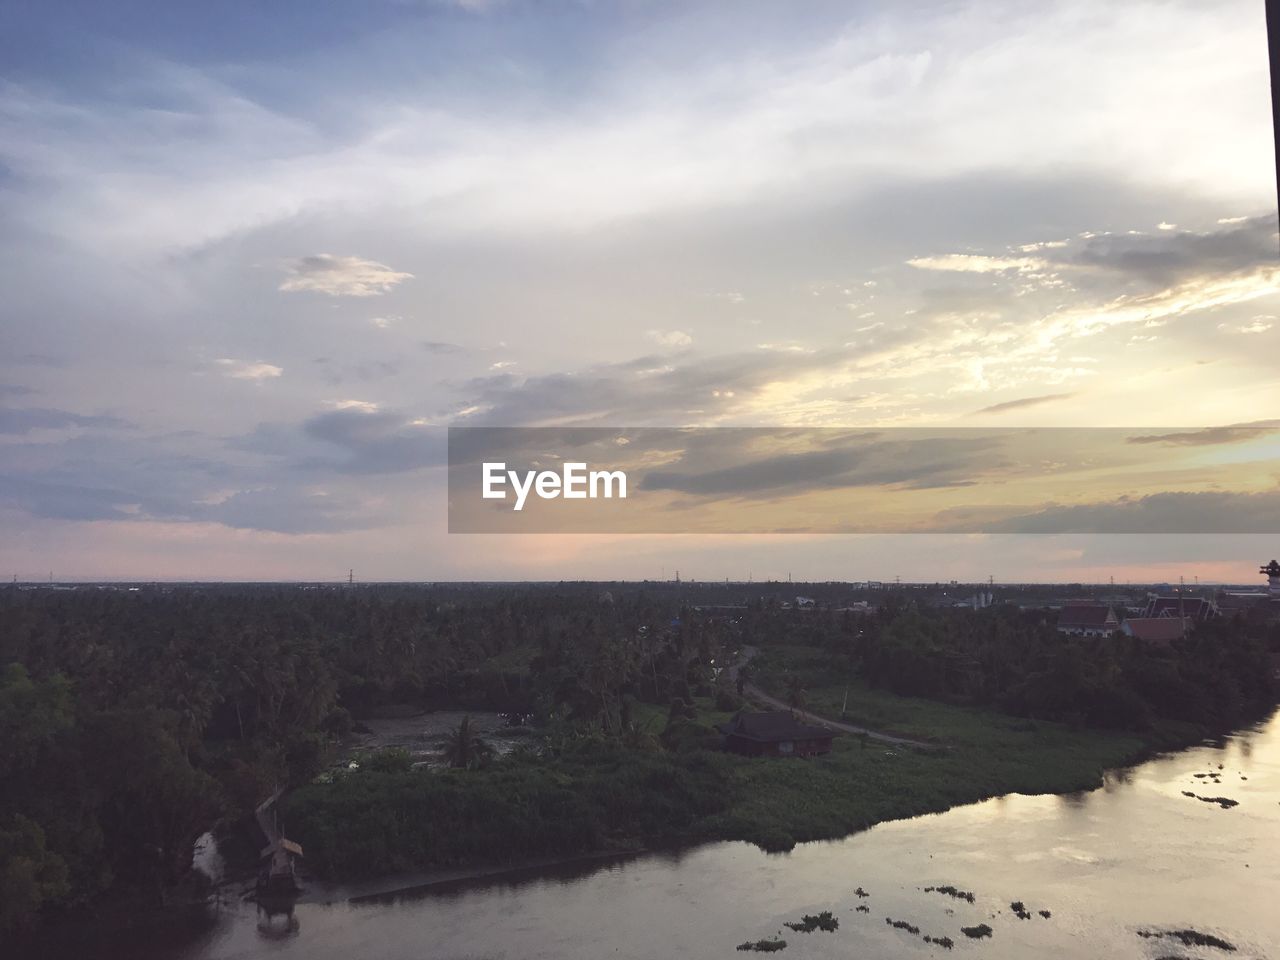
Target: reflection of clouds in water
point(1075, 855)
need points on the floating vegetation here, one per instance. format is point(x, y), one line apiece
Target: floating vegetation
point(951, 891)
point(863, 908)
point(764, 946)
point(903, 925)
point(1226, 803)
point(945, 942)
point(1045, 913)
point(808, 923)
point(1191, 938)
point(861, 893)
point(1020, 909)
point(976, 933)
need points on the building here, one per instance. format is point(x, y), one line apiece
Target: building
point(1272, 571)
point(1231, 602)
point(774, 734)
point(1157, 630)
point(1197, 608)
point(1088, 620)
point(276, 871)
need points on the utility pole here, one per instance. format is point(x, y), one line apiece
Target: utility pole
point(351, 577)
point(1182, 620)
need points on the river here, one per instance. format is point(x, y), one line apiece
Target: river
point(1134, 855)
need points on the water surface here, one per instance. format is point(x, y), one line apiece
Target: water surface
point(1134, 855)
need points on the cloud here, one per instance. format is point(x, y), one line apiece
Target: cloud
point(669, 338)
point(25, 420)
point(1212, 436)
point(291, 510)
point(850, 91)
point(645, 390)
point(245, 370)
point(848, 460)
point(340, 276)
point(1158, 513)
point(1256, 325)
point(353, 437)
point(1174, 256)
point(1024, 402)
point(974, 263)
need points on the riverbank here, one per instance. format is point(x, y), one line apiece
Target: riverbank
point(592, 796)
point(1133, 856)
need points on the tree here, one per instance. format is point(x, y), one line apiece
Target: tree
point(29, 874)
point(464, 750)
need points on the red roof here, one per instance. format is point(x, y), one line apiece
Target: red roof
point(1157, 629)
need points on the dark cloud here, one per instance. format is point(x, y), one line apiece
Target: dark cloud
point(1024, 402)
point(1211, 436)
point(375, 441)
point(34, 418)
point(850, 461)
point(287, 509)
point(1157, 513)
point(1172, 256)
point(648, 389)
point(351, 440)
point(129, 478)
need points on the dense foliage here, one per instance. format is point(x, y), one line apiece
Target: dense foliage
point(132, 720)
point(1015, 661)
point(597, 792)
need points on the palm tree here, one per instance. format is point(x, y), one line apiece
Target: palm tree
point(464, 750)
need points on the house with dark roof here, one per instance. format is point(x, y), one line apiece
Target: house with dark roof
point(1088, 620)
point(1197, 608)
point(1157, 630)
point(1231, 602)
point(774, 733)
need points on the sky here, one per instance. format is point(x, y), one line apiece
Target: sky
point(257, 258)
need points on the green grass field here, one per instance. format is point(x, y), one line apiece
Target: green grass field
point(979, 754)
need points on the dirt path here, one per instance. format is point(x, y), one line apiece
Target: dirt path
point(754, 693)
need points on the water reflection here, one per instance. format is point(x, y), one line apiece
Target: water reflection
point(277, 919)
point(1134, 855)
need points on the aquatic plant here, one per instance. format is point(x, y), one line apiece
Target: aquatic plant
point(1226, 803)
point(1190, 938)
point(903, 925)
point(809, 922)
point(1020, 908)
point(951, 892)
point(945, 942)
point(976, 933)
point(763, 946)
